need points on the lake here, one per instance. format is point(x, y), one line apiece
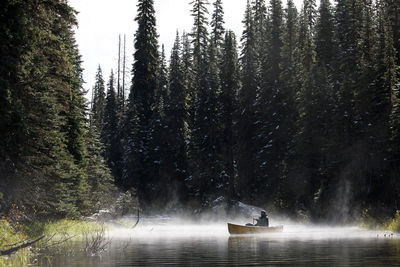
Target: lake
point(211, 245)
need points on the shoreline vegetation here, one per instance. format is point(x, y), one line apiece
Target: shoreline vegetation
point(29, 233)
point(50, 236)
point(389, 224)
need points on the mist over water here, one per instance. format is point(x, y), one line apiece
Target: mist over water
point(165, 241)
point(179, 228)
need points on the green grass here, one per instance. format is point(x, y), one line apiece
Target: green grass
point(9, 236)
point(58, 230)
point(61, 228)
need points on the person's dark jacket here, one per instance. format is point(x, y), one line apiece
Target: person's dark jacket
point(262, 221)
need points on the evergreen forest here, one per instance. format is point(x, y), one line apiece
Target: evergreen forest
point(299, 114)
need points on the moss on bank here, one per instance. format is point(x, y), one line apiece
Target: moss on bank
point(14, 234)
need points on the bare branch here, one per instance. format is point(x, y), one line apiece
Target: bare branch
point(14, 249)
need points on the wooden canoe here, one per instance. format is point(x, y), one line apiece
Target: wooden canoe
point(235, 229)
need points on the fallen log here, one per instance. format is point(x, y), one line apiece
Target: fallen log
point(15, 249)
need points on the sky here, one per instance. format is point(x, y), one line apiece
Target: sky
point(101, 22)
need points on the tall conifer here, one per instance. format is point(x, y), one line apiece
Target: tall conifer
point(177, 123)
point(110, 134)
point(270, 133)
point(230, 82)
point(247, 98)
point(138, 126)
point(290, 84)
point(98, 101)
point(217, 24)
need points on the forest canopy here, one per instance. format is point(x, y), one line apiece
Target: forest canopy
point(300, 115)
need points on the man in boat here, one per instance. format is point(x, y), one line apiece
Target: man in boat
point(263, 220)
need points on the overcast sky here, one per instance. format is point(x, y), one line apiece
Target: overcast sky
point(101, 21)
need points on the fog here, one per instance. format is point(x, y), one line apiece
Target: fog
point(175, 228)
point(177, 241)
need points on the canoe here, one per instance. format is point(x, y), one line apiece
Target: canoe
point(235, 229)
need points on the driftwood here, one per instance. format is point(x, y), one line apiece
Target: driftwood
point(15, 249)
point(12, 245)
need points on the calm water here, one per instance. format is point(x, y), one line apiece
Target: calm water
point(212, 246)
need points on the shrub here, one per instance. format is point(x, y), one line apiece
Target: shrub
point(395, 223)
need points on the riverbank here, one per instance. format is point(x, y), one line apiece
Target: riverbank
point(56, 234)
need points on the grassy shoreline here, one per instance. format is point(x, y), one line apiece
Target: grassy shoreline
point(13, 234)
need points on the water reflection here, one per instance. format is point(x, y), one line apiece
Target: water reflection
point(305, 252)
point(212, 246)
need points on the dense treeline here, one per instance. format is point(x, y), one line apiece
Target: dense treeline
point(50, 156)
point(303, 120)
point(301, 115)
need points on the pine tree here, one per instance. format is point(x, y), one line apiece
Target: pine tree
point(261, 27)
point(110, 133)
point(310, 13)
point(260, 18)
point(393, 11)
point(76, 115)
point(31, 120)
point(371, 109)
point(209, 129)
point(138, 126)
point(217, 24)
point(290, 59)
point(206, 159)
point(217, 33)
point(187, 65)
point(247, 98)
point(344, 150)
point(176, 116)
point(325, 49)
point(324, 28)
point(199, 36)
point(199, 53)
point(159, 152)
point(290, 85)
point(99, 95)
point(230, 83)
point(187, 62)
point(275, 44)
point(312, 104)
point(390, 82)
point(77, 138)
point(346, 69)
point(270, 134)
point(163, 82)
point(45, 114)
point(365, 92)
point(200, 95)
